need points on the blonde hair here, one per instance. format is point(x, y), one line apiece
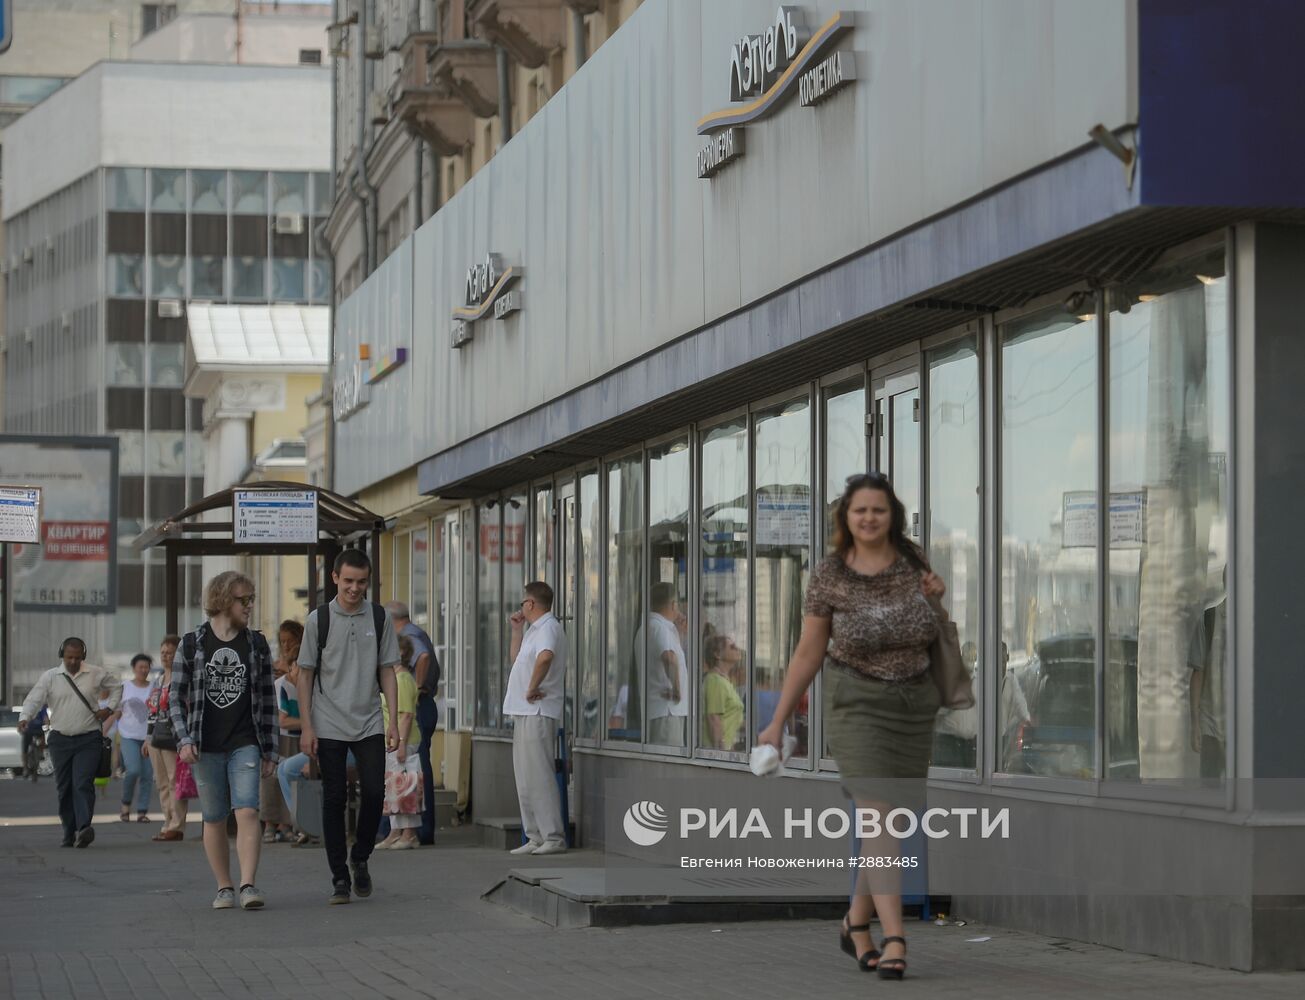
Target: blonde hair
point(218, 592)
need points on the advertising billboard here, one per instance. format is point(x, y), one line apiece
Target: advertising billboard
point(75, 565)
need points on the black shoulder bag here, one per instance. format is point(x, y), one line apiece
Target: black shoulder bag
point(105, 766)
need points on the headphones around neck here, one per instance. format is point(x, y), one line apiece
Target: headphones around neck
point(72, 638)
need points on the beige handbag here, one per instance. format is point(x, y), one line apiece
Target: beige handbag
point(955, 686)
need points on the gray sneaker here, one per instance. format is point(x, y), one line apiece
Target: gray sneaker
point(251, 898)
point(225, 899)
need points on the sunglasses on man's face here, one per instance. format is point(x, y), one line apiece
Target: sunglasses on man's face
point(246, 602)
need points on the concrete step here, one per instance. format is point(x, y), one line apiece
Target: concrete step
point(504, 832)
point(596, 897)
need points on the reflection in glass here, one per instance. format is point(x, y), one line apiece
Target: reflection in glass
point(206, 278)
point(665, 638)
point(248, 277)
point(289, 193)
point(624, 597)
point(319, 280)
point(439, 598)
point(131, 452)
point(1048, 564)
point(542, 566)
point(166, 453)
point(168, 280)
point(167, 190)
point(248, 192)
point(125, 364)
point(125, 189)
point(904, 445)
point(1166, 611)
point(723, 584)
point(467, 533)
point(321, 193)
point(288, 280)
point(489, 616)
point(954, 526)
point(782, 441)
point(208, 191)
point(567, 593)
point(590, 607)
point(844, 443)
point(167, 364)
point(419, 600)
point(125, 275)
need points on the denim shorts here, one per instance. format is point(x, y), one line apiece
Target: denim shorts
point(227, 781)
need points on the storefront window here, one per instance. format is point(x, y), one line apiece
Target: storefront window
point(542, 556)
point(489, 615)
point(625, 526)
point(845, 444)
point(419, 601)
point(782, 441)
point(954, 525)
point(1049, 392)
point(723, 586)
point(1167, 608)
point(439, 598)
point(590, 607)
point(666, 632)
point(515, 520)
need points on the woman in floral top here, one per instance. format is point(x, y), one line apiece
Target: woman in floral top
point(871, 612)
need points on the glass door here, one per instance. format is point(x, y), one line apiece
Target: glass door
point(566, 594)
point(451, 622)
point(895, 436)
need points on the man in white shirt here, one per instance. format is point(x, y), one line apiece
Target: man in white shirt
point(668, 673)
point(534, 700)
point(71, 690)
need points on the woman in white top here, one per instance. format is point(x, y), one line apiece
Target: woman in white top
point(133, 723)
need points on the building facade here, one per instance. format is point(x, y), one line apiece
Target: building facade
point(131, 193)
point(1000, 251)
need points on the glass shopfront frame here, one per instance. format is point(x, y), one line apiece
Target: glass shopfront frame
point(958, 378)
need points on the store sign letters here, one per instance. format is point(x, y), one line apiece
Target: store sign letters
point(350, 393)
point(489, 287)
point(766, 69)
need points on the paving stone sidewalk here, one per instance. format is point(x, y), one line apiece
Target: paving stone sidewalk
point(129, 918)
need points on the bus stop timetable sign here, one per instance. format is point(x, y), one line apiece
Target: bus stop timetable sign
point(20, 515)
point(275, 517)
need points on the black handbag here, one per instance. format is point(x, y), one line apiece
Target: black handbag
point(161, 735)
point(104, 768)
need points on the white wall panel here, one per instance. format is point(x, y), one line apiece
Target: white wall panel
point(625, 249)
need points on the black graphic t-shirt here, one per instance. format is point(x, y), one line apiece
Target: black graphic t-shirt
point(228, 709)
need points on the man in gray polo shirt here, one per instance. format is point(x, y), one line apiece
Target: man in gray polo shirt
point(340, 711)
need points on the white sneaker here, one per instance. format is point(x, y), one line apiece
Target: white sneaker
point(225, 899)
point(529, 847)
point(551, 847)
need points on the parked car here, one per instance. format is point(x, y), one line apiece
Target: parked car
point(11, 741)
point(1059, 737)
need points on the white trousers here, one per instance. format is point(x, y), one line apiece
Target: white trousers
point(534, 743)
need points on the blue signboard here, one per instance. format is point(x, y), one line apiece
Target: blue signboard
point(6, 23)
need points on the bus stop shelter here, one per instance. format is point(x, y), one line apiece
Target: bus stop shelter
point(207, 528)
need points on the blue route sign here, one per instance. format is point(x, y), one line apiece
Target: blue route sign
point(6, 23)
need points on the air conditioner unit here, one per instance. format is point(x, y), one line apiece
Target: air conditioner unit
point(170, 309)
point(378, 112)
point(289, 223)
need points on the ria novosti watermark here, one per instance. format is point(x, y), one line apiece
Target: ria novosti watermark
point(646, 823)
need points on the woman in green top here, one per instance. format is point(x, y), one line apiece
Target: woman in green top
point(403, 787)
point(722, 708)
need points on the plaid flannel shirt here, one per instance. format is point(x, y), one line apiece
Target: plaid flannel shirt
point(186, 695)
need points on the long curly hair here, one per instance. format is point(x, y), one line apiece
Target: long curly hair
point(218, 593)
point(896, 529)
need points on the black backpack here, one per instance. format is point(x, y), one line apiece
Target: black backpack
point(324, 630)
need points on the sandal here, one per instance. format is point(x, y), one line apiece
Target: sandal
point(142, 817)
point(892, 968)
point(125, 815)
point(269, 837)
point(848, 945)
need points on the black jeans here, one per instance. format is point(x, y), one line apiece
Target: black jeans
point(428, 718)
point(75, 759)
point(369, 762)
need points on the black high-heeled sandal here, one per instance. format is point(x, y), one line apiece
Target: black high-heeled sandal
point(848, 945)
point(892, 968)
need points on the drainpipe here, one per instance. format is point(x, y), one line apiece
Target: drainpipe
point(420, 155)
point(369, 190)
point(579, 37)
point(504, 97)
point(434, 180)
